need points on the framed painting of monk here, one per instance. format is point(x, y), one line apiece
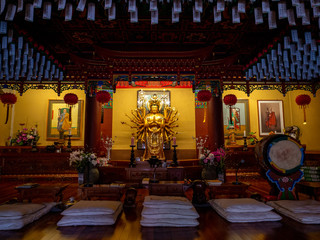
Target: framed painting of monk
point(270, 114)
point(60, 121)
point(240, 118)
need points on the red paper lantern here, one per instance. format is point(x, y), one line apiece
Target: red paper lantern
point(8, 98)
point(303, 100)
point(103, 97)
point(230, 99)
point(70, 99)
point(204, 96)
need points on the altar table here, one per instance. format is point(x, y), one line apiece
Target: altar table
point(310, 188)
point(42, 191)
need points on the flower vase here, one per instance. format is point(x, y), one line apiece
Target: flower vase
point(222, 176)
point(209, 173)
point(80, 178)
point(94, 175)
point(108, 154)
point(87, 176)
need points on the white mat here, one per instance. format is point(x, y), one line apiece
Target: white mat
point(23, 214)
point(303, 211)
point(156, 213)
point(86, 220)
point(246, 217)
point(241, 205)
point(168, 211)
point(74, 217)
point(168, 222)
point(167, 202)
point(84, 207)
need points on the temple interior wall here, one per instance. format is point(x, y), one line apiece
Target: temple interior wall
point(32, 108)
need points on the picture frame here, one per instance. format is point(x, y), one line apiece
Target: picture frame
point(56, 106)
point(241, 110)
point(270, 115)
point(147, 94)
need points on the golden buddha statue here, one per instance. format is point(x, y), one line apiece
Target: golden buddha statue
point(154, 128)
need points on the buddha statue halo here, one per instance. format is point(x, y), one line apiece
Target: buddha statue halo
point(154, 128)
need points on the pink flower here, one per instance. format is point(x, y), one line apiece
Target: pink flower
point(285, 179)
point(221, 152)
point(205, 160)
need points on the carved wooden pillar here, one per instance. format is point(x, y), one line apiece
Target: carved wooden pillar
point(92, 124)
point(215, 123)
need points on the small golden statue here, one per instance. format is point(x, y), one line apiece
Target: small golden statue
point(154, 129)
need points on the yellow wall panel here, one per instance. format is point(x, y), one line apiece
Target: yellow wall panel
point(32, 108)
point(293, 115)
point(125, 100)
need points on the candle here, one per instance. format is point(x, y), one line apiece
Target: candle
point(174, 141)
point(69, 131)
point(244, 133)
point(132, 141)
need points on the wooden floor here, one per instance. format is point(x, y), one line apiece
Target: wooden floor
point(127, 227)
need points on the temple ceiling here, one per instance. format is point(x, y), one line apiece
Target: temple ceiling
point(209, 50)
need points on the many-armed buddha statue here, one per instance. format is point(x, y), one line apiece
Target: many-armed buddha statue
point(154, 128)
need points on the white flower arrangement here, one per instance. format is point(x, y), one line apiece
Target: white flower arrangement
point(80, 160)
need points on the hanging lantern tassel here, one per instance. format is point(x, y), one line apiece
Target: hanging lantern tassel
point(230, 115)
point(7, 117)
point(102, 114)
point(70, 108)
point(103, 97)
point(204, 96)
point(205, 112)
point(303, 101)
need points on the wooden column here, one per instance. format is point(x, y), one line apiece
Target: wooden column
point(92, 124)
point(215, 123)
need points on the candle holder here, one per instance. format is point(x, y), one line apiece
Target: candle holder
point(245, 146)
point(108, 143)
point(200, 142)
point(34, 144)
point(132, 158)
point(174, 158)
point(69, 144)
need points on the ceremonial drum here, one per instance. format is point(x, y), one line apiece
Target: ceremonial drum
point(280, 153)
